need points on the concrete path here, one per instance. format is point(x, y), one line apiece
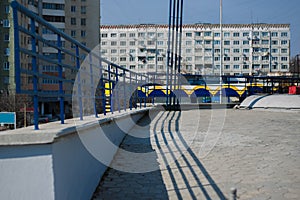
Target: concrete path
point(202, 154)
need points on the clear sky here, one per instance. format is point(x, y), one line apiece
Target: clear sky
point(207, 11)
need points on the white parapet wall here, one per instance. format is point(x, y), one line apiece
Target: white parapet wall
point(55, 162)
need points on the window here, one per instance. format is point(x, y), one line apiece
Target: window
point(264, 49)
point(217, 50)
point(160, 43)
point(113, 35)
point(113, 51)
point(188, 34)
point(6, 66)
point(122, 35)
point(73, 33)
point(83, 21)
point(246, 34)
point(207, 42)
point(284, 34)
point(188, 50)
point(6, 80)
point(7, 9)
point(217, 42)
point(131, 34)
point(226, 58)
point(122, 51)
point(236, 50)
point(226, 42)
point(122, 59)
point(226, 34)
point(283, 42)
point(265, 42)
point(236, 42)
point(245, 42)
point(6, 51)
point(274, 34)
point(113, 43)
point(189, 58)
point(104, 35)
point(103, 43)
point(83, 10)
point(198, 34)
point(83, 33)
point(226, 66)
point(236, 67)
point(284, 66)
point(264, 34)
point(255, 57)
point(131, 58)
point(274, 42)
point(188, 43)
point(256, 33)
point(217, 58)
point(265, 58)
point(284, 50)
point(245, 66)
point(274, 50)
point(246, 50)
point(132, 67)
point(236, 58)
point(73, 21)
point(226, 50)
point(284, 58)
point(207, 34)
point(198, 42)
point(6, 23)
point(217, 34)
point(131, 50)
point(73, 8)
point(141, 34)
point(265, 66)
point(160, 35)
point(274, 58)
point(122, 43)
point(6, 37)
point(236, 34)
point(132, 43)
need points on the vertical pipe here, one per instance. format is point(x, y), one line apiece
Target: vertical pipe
point(221, 49)
point(35, 71)
point(79, 83)
point(60, 75)
point(117, 89)
point(168, 54)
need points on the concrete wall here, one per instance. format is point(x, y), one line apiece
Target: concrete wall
point(61, 167)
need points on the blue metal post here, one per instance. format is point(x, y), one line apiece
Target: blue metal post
point(92, 85)
point(35, 78)
point(79, 84)
point(124, 88)
point(130, 83)
point(60, 74)
point(102, 87)
point(110, 90)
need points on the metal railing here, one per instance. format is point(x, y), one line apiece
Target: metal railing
point(94, 85)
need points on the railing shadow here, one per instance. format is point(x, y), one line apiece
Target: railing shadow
point(186, 155)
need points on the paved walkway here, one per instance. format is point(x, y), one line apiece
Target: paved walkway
point(201, 154)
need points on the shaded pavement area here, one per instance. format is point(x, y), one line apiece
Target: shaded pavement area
point(202, 154)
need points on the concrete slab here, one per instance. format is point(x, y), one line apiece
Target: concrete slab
point(282, 101)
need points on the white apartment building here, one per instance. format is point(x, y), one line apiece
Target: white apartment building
point(260, 49)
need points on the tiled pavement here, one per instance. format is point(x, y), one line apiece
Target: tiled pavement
point(197, 156)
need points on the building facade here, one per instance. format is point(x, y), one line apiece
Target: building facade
point(256, 49)
point(77, 18)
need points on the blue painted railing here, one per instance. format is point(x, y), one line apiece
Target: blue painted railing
point(98, 82)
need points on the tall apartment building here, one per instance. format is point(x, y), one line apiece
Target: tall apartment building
point(77, 18)
point(246, 48)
